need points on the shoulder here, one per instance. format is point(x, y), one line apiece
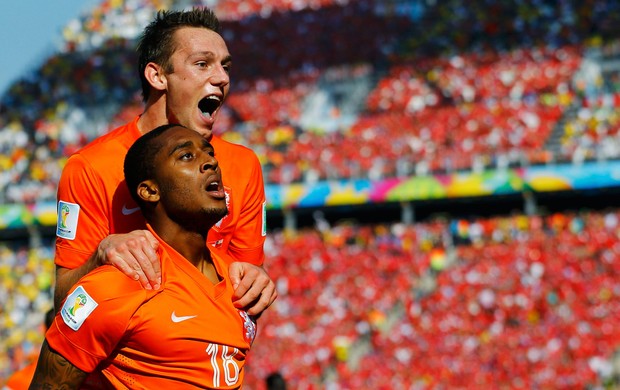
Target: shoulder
point(101, 295)
point(226, 149)
point(239, 164)
point(95, 316)
point(108, 283)
point(107, 148)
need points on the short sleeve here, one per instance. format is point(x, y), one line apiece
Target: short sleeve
point(82, 213)
point(94, 317)
point(248, 239)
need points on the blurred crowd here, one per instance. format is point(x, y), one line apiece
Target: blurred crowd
point(26, 280)
point(506, 302)
point(503, 302)
point(341, 89)
point(406, 88)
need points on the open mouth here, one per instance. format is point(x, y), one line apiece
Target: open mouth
point(215, 189)
point(209, 105)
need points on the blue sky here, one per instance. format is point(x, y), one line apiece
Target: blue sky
point(31, 30)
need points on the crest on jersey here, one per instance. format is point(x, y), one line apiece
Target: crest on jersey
point(77, 308)
point(249, 327)
point(67, 220)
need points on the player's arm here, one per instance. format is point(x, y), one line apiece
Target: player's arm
point(80, 191)
point(66, 277)
point(55, 372)
point(132, 253)
point(254, 289)
point(248, 239)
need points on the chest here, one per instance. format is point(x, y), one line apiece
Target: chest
point(181, 335)
point(184, 323)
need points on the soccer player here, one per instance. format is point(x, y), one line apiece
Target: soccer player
point(184, 67)
point(185, 335)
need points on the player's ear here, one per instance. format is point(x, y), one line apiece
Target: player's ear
point(156, 76)
point(148, 191)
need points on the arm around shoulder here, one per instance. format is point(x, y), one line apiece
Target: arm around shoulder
point(133, 253)
point(66, 278)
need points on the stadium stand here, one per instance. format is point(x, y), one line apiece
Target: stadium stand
point(519, 302)
point(374, 90)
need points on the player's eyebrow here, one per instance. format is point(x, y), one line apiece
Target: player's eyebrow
point(211, 56)
point(180, 146)
point(206, 144)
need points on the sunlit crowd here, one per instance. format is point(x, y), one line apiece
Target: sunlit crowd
point(517, 301)
point(407, 88)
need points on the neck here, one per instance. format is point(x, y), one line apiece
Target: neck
point(154, 114)
point(191, 245)
point(207, 268)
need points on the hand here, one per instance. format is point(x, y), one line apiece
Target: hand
point(254, 291)
point(134, 254)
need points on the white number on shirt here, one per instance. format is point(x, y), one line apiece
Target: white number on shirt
point(225, 361)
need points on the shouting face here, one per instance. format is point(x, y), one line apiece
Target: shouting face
point(199, 79)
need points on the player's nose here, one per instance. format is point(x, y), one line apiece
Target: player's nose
point(209, 163)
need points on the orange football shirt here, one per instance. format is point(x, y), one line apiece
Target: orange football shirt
point(21, 379)
point(188, 334)
point(93, 200)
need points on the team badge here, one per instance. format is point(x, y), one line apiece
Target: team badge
point(249, 327)
point(77, 308)
point(67, 220)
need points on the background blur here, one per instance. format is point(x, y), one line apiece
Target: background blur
point(442, 179)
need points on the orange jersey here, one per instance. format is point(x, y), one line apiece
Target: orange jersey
point(93, 200)
point(21, 379)
point(188, 334)
point(242, 232)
